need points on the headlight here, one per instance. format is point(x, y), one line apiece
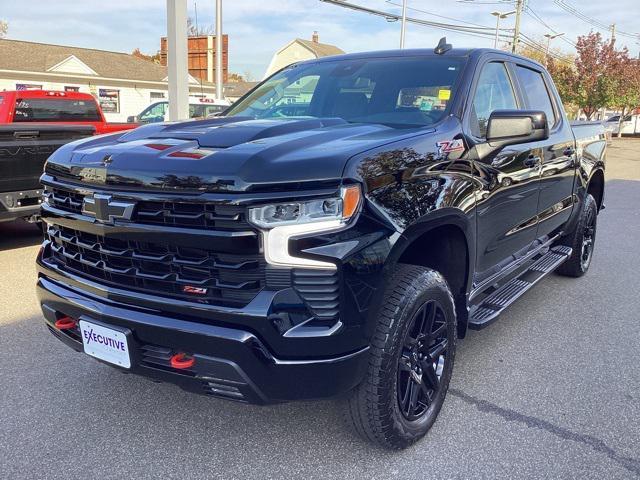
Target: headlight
point(280, 221)
point(296, 213)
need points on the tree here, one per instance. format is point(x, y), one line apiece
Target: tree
point(151, 58)
point(235, 77)
point(194, 30)
point(4, 28)
point(626, 86)
point(591, 84)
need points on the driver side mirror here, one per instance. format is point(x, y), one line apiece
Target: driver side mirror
point(510, 127)
point(132, 119)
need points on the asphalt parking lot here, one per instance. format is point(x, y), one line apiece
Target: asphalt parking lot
point(552, 390)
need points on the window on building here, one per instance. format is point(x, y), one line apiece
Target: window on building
point(157, 96)
point(109, 100)
point(28, 86)
point(52, 110)
point(536, 91)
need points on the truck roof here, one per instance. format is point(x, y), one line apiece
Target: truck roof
point(426, 52)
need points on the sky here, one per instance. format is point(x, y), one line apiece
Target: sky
point(258, 28)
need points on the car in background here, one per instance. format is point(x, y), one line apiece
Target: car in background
point(630, 124)
point(198, 108)
point(51, 106)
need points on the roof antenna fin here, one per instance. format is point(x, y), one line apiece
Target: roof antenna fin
point(443, 46)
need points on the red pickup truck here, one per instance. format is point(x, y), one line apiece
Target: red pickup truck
point(48, 106)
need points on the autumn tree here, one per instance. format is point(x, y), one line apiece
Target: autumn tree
point(235, 77)
point(151, 58)
point(626, 86)
point(591, 84)
point(195, 30)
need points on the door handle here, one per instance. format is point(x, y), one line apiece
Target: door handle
point(532, 161)
point(25, 135)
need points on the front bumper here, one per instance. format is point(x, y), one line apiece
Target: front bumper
point(231, 363)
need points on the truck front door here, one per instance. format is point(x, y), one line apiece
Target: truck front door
point(507, 203)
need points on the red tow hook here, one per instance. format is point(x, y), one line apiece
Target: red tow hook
point(182, 361)
point(65, 323)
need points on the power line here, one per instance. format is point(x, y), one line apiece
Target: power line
point(462, 29)
point(529, 11)
point(592, 21)
point(531, 43)
point(484, 27)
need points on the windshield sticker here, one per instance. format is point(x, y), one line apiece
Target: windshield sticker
point(426, 104)
point(444, 94)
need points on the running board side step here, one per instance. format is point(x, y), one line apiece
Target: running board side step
point(487, 311)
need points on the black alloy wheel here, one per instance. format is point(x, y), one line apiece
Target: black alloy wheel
point(581, 239)
point(411, 359)
point(588, 239)
point(422, 361)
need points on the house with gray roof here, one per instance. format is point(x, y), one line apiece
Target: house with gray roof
point(124, 84)
point(298, 50)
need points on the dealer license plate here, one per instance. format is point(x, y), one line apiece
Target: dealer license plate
point(105, 343)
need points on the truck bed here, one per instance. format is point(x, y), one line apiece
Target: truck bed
point(23, 150)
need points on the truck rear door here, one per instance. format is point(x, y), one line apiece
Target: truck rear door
point(556, 154)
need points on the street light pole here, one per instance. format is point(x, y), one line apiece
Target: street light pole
point(550, 37)
point(403, 27)
point(499, 16)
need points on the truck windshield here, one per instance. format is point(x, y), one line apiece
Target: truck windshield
point(401, 92)
point(55, 110)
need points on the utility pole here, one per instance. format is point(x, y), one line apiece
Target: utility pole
point(219, 73)
point(613, 33)
point(403, 26)
point(516, 30)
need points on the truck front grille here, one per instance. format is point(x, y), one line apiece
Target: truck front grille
point(173, 214)
point(192, 274)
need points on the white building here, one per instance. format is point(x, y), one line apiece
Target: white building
point(123, 84)
point(298, 50)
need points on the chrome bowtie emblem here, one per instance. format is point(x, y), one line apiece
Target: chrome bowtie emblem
point(105, 209)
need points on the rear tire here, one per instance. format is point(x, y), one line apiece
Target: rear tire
point(411, 360)
point(581, 240)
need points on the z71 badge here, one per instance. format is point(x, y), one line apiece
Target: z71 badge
point(449, 146)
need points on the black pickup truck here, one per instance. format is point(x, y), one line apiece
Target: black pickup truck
point(23, 151)
point(344, 251)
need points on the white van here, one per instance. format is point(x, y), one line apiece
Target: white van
point(198, 108)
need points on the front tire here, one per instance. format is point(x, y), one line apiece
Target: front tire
point(581, 240)
point(411, 360)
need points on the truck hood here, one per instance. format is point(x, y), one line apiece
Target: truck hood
point(223, 154)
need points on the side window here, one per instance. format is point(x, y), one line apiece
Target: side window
point(154, 113)
point(536, 91)
point(494, 92)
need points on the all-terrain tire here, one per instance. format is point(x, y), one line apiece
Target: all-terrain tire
point(581, 240)
point(413, 296)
